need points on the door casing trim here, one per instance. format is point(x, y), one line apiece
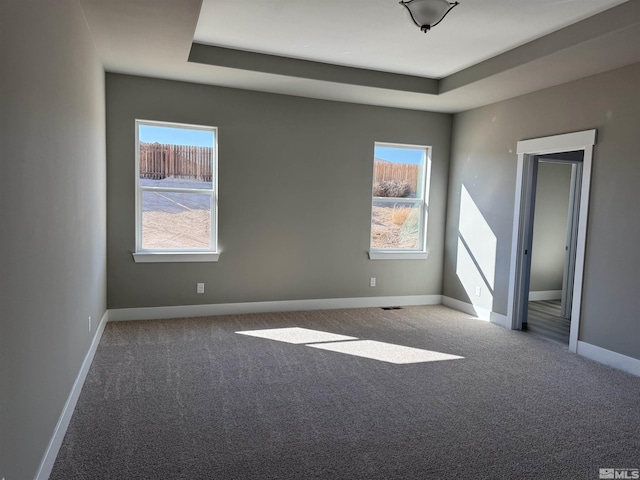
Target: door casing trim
point(527, 150)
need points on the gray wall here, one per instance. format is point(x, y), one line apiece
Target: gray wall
point(52, 217)
point(550, 226)
point(484, 162)
point(295, 196)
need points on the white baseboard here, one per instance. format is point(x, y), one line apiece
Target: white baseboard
point(65, 417)
point(545, 295)
point(608, 357)
point(479, 312)
point(180, 311)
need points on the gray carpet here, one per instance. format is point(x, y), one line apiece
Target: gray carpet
point(191, 399)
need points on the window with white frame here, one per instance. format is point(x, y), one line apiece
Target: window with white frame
point(400, 194)
point(176, 192)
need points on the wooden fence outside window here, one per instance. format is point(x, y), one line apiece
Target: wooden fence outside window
point(402, 172)
point(159, 161)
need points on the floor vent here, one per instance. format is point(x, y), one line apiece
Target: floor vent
point(391, 308)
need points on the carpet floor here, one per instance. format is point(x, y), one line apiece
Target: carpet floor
point(192, 399)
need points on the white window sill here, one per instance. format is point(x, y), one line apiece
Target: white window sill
point(380, 255)
point(175, 257)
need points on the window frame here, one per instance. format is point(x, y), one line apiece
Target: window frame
point(164, 255)
point(424, 183)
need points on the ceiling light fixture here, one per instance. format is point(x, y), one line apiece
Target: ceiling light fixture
point(426, 14)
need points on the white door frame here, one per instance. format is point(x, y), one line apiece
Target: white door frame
point(572, 235)
point(523, 221)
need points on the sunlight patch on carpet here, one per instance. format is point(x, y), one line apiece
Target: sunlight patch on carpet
point(296, 335)
point(386, 352)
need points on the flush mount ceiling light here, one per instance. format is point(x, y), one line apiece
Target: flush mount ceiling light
point(426, 14)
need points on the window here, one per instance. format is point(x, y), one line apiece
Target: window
point(176, 192)
point(400, 196)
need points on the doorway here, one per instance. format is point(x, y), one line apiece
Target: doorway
point(575, 149)
point(555, 205)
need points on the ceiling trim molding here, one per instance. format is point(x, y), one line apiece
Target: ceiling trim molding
point(154, 38)
point(614, 20)
point(574, 41)
point(292, 67)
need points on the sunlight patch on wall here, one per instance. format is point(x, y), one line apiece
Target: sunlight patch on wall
point(477, 249)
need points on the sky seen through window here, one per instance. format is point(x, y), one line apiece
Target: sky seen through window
point(412, 156)
point(175, 136)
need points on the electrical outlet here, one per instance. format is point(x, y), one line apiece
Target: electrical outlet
point(200, 288)
point(89, 322)
point(372, 282)
point(478, 291)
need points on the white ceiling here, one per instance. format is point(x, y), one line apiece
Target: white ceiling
point(484, 51)
point(378, 34)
